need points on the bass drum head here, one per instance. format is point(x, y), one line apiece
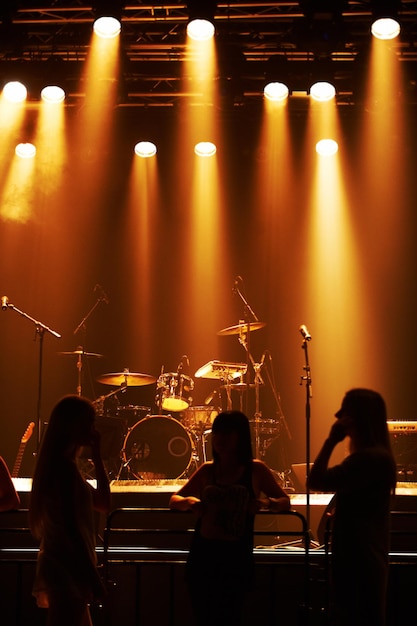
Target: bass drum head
point(157, 447)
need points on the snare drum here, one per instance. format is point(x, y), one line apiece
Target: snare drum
point(131, 413)
point(157, 447)
point(199, 417)
point(175, 390)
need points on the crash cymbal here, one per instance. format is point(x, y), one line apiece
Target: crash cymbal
point(82, 352)
point(241, 328)
point(130, 379)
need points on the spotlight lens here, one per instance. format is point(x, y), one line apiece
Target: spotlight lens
point(322, 91)
point(205, 149)
point(15, 91)
point(145, 149)
point(327, 147)
point(200, 30)
point(385, 28)
point(25, 150)
point(276, 92)
point(53, 94)
point(107, 27)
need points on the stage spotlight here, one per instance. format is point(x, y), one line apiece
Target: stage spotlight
point(15, 91)
point(205, 149)
point(108, 15)
point(52, 94)
point(145, 149)
point(201, 19)
point(322, 91)
point(385, 24)
point(25, 150)
point(276, 91)
point(327, 147)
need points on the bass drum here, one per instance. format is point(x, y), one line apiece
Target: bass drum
point(157, 447)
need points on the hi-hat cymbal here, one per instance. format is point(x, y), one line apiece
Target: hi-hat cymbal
point(241, 328)
point(130, 379)
point(81, 352)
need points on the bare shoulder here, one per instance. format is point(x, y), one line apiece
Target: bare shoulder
point(260, 468)
point(198, 480)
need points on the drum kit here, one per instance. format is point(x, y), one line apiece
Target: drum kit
point(176, 440)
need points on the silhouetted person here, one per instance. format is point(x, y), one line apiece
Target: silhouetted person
point(61, 514)
point(363, 484)
point(225, 495)
point(9, 498)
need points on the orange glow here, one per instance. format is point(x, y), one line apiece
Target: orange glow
point(201, 257)
point(17, 194)
point(140, 243)
point(100, 79)
point(11, 118)
point(335, 295)
point(51, 144)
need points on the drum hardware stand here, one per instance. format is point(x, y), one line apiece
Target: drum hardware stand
point(244, 340)
point(258, 381)
point(99, 402)
point(101, 298)
point(40, 330)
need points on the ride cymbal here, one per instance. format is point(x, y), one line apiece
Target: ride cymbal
point(130, 379)
point(241, 328)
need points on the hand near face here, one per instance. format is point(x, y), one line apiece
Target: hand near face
point(340, 429)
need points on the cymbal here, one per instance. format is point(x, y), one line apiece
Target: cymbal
point(241, 328)
point(82, 352)
point(130, 379)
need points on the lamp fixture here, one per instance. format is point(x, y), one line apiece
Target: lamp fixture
point(201, 19)
point(108, 15)
point(385, 24)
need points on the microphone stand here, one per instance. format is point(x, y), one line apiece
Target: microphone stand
point(40, 330)
point(307, 379)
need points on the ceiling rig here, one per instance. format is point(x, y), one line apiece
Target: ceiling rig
point(253, 39)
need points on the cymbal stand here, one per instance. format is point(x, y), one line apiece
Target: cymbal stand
point(249, 314)
point(98, 403)
point(102, 298)
point(258, 381)
point(40, 330)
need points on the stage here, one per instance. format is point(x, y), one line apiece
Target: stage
point(142, 548)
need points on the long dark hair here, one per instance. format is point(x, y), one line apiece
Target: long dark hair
point(367, 408)
point(69, 427)
point(236, 422)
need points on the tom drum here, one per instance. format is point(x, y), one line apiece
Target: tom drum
point(174, 391)
point(199, 417)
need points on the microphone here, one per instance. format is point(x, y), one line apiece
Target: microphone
point(236, 282)
point(303, 330)
point(184, 359)
point(102, 293)
point(4, 302)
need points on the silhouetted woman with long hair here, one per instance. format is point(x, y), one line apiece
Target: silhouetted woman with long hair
point(363, 484)
point(225, 495)
point(61, 514)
